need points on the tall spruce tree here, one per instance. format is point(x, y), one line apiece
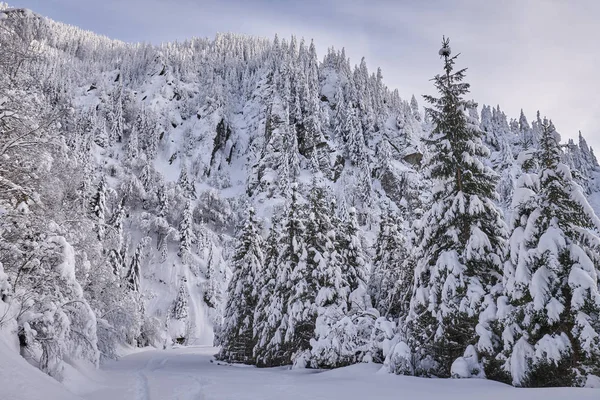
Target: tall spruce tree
point(549, 314)
point(315, 279)
point(462, 236)
point(278, 342)
point(353, 258)
point(248, 263)
point(186, 233)
point(390, 282)
point(98, 208)
point(326, 295)
point(266, 282)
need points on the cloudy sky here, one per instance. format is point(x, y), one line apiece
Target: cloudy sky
point(530, 54)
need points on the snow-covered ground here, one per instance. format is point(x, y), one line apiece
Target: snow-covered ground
point(188, 373)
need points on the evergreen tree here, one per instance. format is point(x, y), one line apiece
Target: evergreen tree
point(186, 184)
point(266, 282)
point(117, 256)
point(549, 314)
point(316, 269)
point(134, 274)
point(291, 265)
point(133, 147)
point(462, 236)
point(414, 106)
point(321, 297)
point(390, 282)
point(248, 263)
point(354, 261)
point(186, 233)
point(180, 308)
point(212, 289)
point(98, 207)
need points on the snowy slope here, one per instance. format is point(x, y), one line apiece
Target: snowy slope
point(20, 381)
point(188, 373)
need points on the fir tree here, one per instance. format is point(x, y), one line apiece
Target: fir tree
point(414, 106)
point(98, 207)
point(462, 236)
point(309, 274)
point(353, 258)
point(186, 184)
point(264, 317)
point(180, 308)
point(281, 340)
point(133, 147)
point(390, 282)
point(248, 263)
point(319, 296)
point(186, 233)
point(134, 274)
point(549, 314)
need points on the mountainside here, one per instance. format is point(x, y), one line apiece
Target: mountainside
point(128, 170)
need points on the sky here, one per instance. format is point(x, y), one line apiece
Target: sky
point(520, 54)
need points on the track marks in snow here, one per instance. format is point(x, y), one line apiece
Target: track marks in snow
point(142, 391)
point(155, 363)
point(194, 392)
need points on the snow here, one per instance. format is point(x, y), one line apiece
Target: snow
point(190, 373)
point(67, 267)
point(20, 381)
point(445, 51)
point(467, 366)
point(553, 347)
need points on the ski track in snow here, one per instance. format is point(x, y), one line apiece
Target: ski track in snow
point(142, 390)
point(189, 374)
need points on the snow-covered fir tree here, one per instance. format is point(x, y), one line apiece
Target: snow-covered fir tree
point(277, 341)
point(237, 335)
point(390, 282)
point(549, 314)
point(180, 309)
point(266, 321)
point(186, 233)
point(462, 235)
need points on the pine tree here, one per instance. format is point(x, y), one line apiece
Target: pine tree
point(186, 233)
point(323, 298)
point(98, 207)
point(462, 236)
point(134, 274)
point(212, 289)
point(414, 106)
point(133, 147)
point(390, 283)
point(265, 283)
point(353, 258)
point(315, 269)
point(180, 308)
point(186, 184)
point(248, 263)
point(277, 338)
point(527, 137)
point(116, 254)
point(549, 314)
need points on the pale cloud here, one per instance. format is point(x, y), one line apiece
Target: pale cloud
point(530, 54)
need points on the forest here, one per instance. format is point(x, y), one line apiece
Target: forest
point(240, 192)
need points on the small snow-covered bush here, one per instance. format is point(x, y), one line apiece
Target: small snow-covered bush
point(467, 366)
point(400, 360)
